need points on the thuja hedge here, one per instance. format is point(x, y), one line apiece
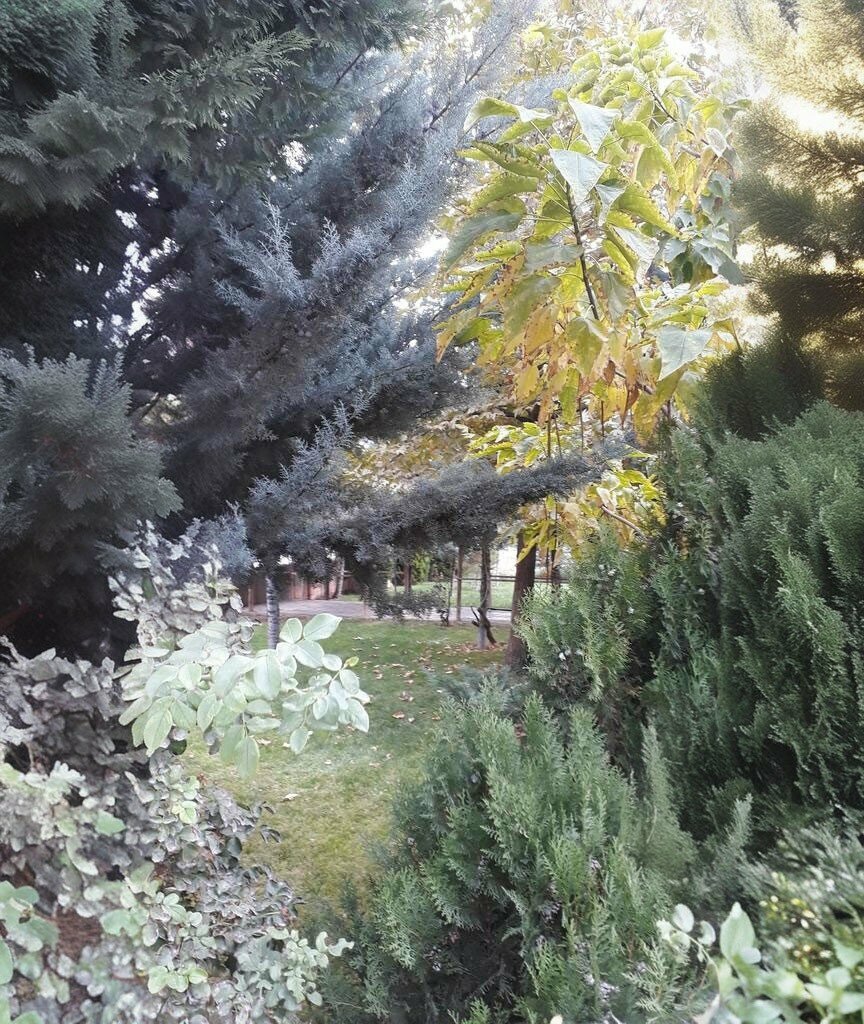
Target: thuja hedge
point(736, 631)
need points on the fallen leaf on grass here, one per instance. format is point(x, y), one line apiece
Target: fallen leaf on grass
point(290, 796)
point(398, 714)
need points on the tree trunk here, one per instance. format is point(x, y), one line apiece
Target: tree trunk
point(272, 591)
point(526, 569)
point(408, 577)
point(340, 578)
point(484, 629)
point(459, 561)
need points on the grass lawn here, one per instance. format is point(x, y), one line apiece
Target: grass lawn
point(333, 800)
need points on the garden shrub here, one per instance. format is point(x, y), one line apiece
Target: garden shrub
point(123, 891)
point(527, 873)
point(745, 645)
point(801, 959)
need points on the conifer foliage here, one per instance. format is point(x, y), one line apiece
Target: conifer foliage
point(804, 147)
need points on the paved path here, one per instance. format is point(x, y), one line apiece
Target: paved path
point(356, 610)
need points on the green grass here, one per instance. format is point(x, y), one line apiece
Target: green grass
point(333, 802)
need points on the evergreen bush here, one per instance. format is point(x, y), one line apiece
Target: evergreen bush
point(745, 645)
point(527, 874)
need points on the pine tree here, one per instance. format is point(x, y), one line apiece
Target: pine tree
point(136, 141)
point(803, 148)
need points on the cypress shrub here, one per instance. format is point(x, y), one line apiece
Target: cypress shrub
point(745, 646)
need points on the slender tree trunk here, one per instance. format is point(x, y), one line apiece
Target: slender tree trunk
point(459, 561)
point(484, 629)
point(272, 591)
point(340, 578)
point(408, 577)
point(526, 570)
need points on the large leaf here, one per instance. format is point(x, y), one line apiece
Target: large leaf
point(581, 172)
point(321, 626)
point(246, 757)
point(525, 296)
point(637, 202)
point(503, 217)
point(489, 106)
point(595, 122)
point(644, 247)
point(679, 347)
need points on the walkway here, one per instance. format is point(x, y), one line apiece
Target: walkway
point(357, 610)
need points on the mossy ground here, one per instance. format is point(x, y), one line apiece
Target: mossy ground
point(333, 802)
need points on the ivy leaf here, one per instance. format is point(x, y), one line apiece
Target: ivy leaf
point(679, 347)
point(581, 172)
point(595, 122)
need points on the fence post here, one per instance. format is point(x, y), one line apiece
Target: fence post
point(459, 558)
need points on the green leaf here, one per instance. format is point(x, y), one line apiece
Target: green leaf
point(595, 122)
point(135, 709)
point(321, 626)
point(232, 737)
point(848, 955)
point(5, 963)
point(267, 674)
point(309, 653)
point(636, 201)
point(650, 38)
point(489, 106)
point(679, 347)
point(736, 934)
point(501, 187)
point(159, 723)
point(291, 631)
point(229, 672)
point(206, 711)
point(581, 172)
point(246, 757)
point(503, 156)
point(585, 341)
point(643, 246)
point(523, 299)
point(761, 1011)
point(298, 739)
point(116, 921)
point(503, 216)
point(190, 676)
point(682, 917)
point(107, 825)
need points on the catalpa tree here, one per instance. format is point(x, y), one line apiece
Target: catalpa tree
point(587, 265)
